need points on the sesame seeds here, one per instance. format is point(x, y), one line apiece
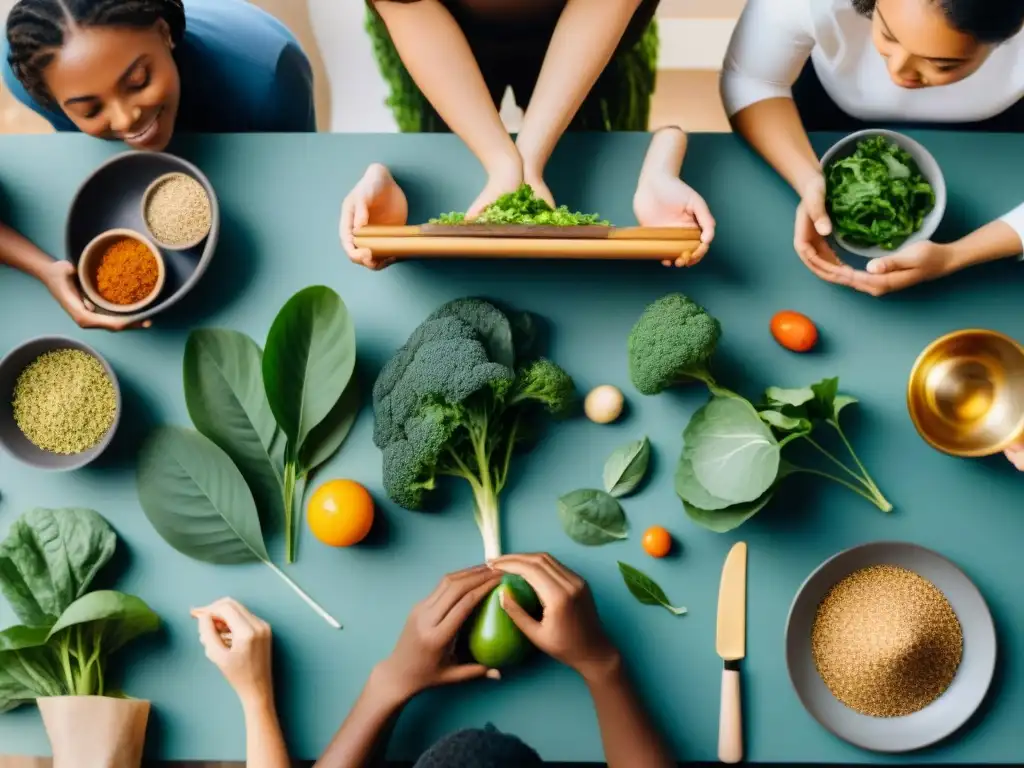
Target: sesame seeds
point(64, 402)
point(886, 641)
point(178, 211)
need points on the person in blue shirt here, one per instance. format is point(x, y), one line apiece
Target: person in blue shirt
point(140, 70)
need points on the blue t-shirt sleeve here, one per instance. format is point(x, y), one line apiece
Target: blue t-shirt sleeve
point(291, 104)
point(57, 119)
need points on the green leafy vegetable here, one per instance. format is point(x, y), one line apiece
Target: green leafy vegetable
point(67, 655)
point(308, 362)
point(671, 344)
point(523, 207)
point(592, 517)
point(645, 590)
point(49, 558)
point(198, 501)
point(223, 378)
point(717, 515)
point(626, 468)
point(877, 196)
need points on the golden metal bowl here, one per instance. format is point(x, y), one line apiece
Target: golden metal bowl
point(966, 393)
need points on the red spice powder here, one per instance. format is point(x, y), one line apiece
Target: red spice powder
point(127, 272)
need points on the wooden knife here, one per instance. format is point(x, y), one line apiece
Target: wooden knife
point(731, 644)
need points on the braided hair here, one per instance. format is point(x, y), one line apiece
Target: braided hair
point(36, 28)
point(987, 21)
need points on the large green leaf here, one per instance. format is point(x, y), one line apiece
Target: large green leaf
point(224, 393)
point(308, 361)
point(327, 436)
point(108, 620)
point(689, 489)
point(197, 499)
point(725, 519)
point(734, 454)
point(28, 667)
point(49, 558)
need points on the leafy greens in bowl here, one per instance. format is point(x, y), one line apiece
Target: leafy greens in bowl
point(883, 190)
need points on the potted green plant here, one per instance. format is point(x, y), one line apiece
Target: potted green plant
point(58, 655)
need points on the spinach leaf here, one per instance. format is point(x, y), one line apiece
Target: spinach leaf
point(309, 358)
point(108, 620)
point(825, 392)
point(795, 397)
point(28, 667)
point(327, 436)
point(223, 379)
point(734, 454)
point(592, 517)
point(645, 590)
point(49, 559)
point(783, 423)
point(626, 467)
point(198, 501)
point(840, 402)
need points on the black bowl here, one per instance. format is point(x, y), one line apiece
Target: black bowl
point(111, 198)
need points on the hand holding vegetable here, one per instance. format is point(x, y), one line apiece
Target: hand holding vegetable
point(378, 200)
point(1015, 455)
point(239, 644)
point(570, 629)
point(424, 655)
point(917, 263)
point(664, 200)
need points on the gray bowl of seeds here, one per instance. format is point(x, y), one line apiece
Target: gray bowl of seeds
point(60, 403)
point(156, 193)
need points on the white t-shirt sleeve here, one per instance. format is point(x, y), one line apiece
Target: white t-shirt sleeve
point(1015, 219)
point(770, 45)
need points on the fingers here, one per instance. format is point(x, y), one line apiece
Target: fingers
point(705, 220)
point(546, 581)
point(460, 588)
point(813, 202)
point(465, 672)
point(1015, 455)
point(457, 615)
point(212, 641)
point(240, 622)
point(528, 625)
point(446, 582)
point(895, 262)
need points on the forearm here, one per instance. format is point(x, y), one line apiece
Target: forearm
point(362, 738)
point(21, 253)
point(583, 43)
point(440, 61)
point(995, 240)
point(629, 737)
point(264, 742)
point(665, 153)
point(773, 128)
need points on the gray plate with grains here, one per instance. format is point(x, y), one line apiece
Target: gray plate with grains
point(111, 197)
point(890, 646)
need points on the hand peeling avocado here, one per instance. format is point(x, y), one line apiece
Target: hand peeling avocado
point(494, 639)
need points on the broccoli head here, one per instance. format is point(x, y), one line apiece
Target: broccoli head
point(449, 403)
point(671, 344)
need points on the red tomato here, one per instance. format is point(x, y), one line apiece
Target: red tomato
point(794, 331)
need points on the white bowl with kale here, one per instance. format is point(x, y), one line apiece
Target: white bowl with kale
point(883, 191)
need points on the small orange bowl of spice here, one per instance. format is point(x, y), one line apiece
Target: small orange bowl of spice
point(121, 271)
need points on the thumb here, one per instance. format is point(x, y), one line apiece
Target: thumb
point(362, 215)
point(208, 634)
point(894, 263)
point(528, 625)
point(465, 672)
point(815, 206)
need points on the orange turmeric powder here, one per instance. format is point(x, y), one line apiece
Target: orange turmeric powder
point(127, 272)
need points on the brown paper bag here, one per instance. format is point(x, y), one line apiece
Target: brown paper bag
point(95, 731)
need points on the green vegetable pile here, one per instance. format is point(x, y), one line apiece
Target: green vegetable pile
point(67, 633)
point(264, 421)
point(877, 196)
point(523, 207)
point(732, 462)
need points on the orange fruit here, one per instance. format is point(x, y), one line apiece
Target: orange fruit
point(657, 542)
point(794, 331)
point(340, 513)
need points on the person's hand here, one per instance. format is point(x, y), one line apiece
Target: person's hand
point(540, 188)
point(424, 656)
point(239, 644)
point(570, 629)
point(664, 200)
point(811, 228)
point(1015, 454)
point(375, 200)
point(914, 264)
point(502, 177)
point(61, 280)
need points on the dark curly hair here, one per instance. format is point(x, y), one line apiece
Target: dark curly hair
point(36, 28)
point(987, 21)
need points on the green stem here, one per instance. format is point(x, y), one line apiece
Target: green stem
point(65, 662)
point(836, 461)
point(839, 480)
point(867, 478)
point(289, 508)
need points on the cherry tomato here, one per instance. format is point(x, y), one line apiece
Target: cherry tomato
point(657, 542)
point(794, 331)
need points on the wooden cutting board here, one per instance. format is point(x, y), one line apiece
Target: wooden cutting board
point(528, 241)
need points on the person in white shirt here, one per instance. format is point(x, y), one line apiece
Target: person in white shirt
point(794, 66)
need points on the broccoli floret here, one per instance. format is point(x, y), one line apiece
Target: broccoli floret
point(444, 406)
point(671, 344)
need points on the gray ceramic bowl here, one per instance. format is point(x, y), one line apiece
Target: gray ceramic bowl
point(11, 437)
point(929, 168)
point(943, 716)
point(111, 198)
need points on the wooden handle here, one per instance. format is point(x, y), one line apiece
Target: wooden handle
point(730, 719)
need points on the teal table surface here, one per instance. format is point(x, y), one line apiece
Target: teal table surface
point(280, 198)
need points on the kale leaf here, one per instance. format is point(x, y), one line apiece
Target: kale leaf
point(523, 207)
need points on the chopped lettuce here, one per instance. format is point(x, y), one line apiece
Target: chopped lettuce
point(877, 196)
point(523, 207)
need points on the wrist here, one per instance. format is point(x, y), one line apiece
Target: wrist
point(600, 670)
point(505, 164)
point(388, 688)
point(257, 702)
